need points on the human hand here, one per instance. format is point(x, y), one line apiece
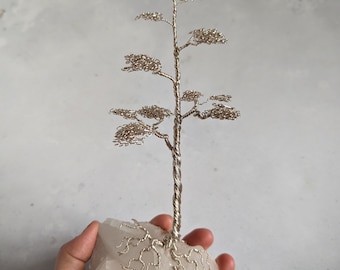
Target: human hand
point(74, 254)
point(201, 237)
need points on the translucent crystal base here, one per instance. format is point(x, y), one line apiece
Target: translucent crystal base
point(134, 246)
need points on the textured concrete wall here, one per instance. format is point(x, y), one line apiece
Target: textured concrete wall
point(266, 184)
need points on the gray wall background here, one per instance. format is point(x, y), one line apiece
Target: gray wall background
point(266, 184)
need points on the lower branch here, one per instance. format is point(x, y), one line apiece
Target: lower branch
point(165, 137)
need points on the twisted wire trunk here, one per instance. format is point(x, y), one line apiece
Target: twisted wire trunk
point(176, 150)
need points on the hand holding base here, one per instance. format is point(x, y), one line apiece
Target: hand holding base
point(144, 246)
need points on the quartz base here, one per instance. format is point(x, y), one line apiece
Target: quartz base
point(144, 246)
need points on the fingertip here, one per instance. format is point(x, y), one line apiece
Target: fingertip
point(90, 232)
point(202, 237)
point(93, 226)
point(225, 262)
point(81, 246)
point(164, 221)
point(75, 253)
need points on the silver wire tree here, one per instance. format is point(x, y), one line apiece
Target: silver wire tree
point(136, 131)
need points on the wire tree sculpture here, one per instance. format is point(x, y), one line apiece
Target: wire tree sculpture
point(136, 131)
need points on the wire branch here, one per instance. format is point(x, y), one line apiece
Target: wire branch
point(165, 137)
point(187, 44)
point(168, 22)
point(190, 112)
point(161, 73)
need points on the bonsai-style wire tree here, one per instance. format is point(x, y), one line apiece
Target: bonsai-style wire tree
point(136, 131)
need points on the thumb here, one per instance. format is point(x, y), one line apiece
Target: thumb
point(74, 254)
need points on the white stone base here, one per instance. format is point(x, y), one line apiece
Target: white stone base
point(137, 246)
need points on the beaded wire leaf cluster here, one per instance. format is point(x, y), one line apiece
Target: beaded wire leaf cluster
point(136, 131)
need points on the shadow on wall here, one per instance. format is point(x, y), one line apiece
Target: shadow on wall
point(2, 12)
